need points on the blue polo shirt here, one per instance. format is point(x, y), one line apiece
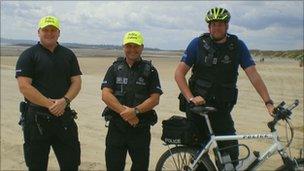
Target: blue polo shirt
point(190, 54)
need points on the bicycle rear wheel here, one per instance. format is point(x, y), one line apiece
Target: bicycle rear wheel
point(179, 158)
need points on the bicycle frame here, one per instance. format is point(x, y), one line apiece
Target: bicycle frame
point(276, 145)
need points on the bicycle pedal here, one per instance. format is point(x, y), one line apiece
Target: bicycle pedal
point(256, 154)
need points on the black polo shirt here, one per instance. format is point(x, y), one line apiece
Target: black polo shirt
point(153, 86)
point(51, 72)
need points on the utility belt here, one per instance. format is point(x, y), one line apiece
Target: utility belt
point(44, 112)
point(224, 94)
point(145, 119)
point(30, 110)
point(40, 111)
point(210, 100)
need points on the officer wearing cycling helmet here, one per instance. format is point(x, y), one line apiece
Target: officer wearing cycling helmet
point(214, 58)
point(131, 89)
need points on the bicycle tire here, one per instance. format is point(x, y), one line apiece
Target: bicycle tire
point(180, 158)
point(300, 166)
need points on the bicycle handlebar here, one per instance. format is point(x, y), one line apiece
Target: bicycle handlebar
point(282, 113)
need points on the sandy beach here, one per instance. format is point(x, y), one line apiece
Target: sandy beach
point(284, 79)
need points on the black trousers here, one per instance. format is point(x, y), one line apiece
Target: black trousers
point(42, 132)
point(135, 141)
point(222, 124)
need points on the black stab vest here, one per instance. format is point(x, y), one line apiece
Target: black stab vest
point(215, 72)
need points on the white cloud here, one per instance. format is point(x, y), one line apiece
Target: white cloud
point(165, 24)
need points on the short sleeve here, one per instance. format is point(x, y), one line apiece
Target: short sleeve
point(189, 56)
point(245, 57)
point(155, 86)
point(109, 79)
point(25, 64)
point(75, 69)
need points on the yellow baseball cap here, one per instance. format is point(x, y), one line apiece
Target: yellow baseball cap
point(133, 37)
point(49, 20)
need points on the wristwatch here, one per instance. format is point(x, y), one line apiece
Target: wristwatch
point(269, 102)
point(136, 111)
point(67, 101)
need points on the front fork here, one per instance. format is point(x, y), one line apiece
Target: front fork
point(290, 164)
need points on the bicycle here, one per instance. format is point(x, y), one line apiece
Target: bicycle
point(183, 157)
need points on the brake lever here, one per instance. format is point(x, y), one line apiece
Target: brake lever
point(293, 105)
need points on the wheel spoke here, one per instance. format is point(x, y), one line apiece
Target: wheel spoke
point(178, 161)
point(174, 161)
point(179, 158)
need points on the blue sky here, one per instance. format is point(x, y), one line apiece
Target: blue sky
point(265, 25)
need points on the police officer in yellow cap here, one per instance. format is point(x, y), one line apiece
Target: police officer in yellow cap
point(49, 78)
point(131, 89)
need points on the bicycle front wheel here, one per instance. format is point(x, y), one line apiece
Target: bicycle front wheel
point(179, 158)
point(299, 166)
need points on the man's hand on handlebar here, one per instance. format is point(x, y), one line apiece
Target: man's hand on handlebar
point(270, 109)
point(197, 100)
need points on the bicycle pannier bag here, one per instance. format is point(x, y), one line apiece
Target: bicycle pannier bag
point(179, 130)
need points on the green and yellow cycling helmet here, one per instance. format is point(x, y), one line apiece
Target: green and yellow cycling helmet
point(217, 14)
